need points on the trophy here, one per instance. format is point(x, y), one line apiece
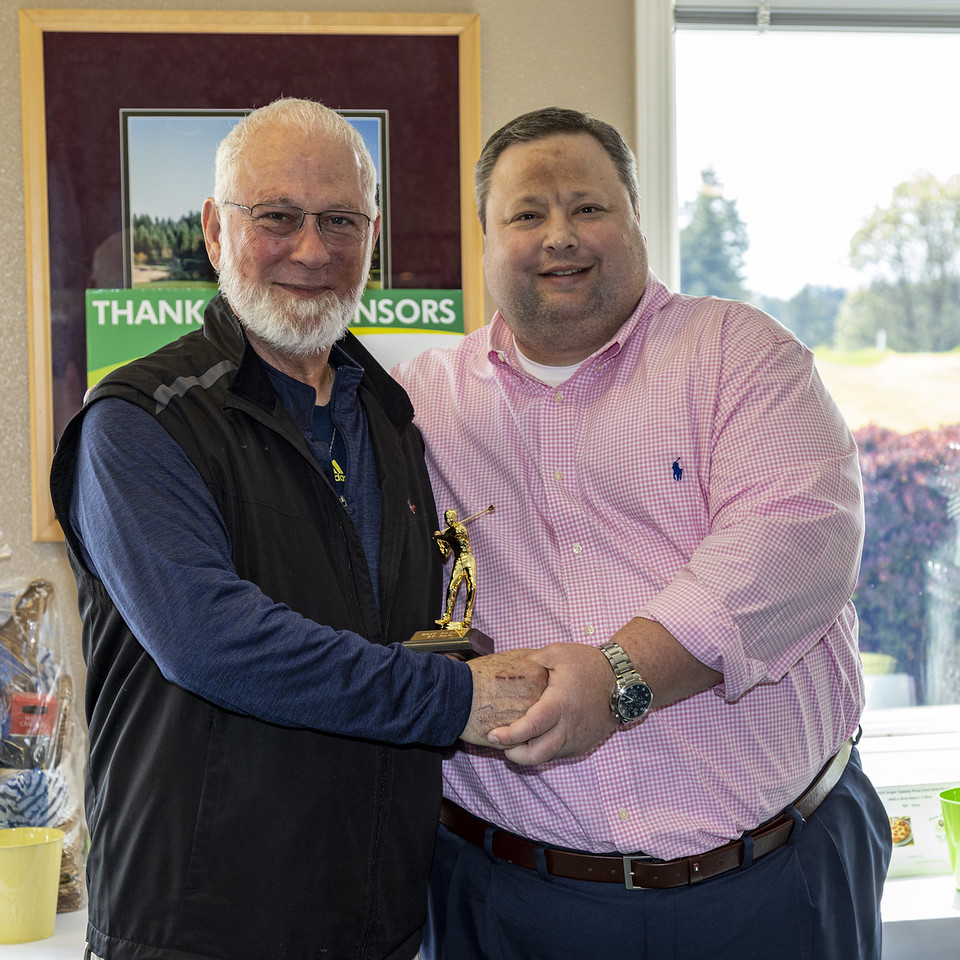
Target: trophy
point(456, 636)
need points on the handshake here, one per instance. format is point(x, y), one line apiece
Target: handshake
point(541, 705)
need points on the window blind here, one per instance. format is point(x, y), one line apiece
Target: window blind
point(818, 15)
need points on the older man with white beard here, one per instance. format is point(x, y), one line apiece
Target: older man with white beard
point(249, 520)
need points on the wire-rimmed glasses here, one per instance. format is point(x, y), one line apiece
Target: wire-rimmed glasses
point(345, 228)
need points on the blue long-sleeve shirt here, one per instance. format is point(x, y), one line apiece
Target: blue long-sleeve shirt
point(152, 533)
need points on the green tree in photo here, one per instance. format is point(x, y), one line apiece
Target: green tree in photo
point(174, 245)
point(712, 243)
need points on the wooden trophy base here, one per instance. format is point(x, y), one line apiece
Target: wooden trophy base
point(466, 642)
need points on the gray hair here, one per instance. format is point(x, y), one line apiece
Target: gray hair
point(309, 116)
point(549, 122)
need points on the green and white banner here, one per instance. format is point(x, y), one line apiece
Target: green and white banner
point(394, 324)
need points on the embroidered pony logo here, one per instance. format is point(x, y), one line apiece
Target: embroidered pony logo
point(677, 470)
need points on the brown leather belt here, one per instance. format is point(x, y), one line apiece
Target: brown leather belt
point(639, 872)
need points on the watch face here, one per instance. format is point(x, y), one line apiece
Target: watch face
point(634, 701)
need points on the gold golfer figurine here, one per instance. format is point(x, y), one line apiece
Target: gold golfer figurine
point(456, 636)
point(455, 540)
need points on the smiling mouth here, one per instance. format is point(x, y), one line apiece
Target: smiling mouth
point(564, 273)
point(302, 289)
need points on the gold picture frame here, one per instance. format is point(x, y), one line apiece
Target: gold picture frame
point(378, 48)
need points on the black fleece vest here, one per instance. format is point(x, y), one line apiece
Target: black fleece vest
point(215, 834)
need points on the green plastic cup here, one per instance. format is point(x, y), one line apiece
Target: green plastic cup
point(950, 804)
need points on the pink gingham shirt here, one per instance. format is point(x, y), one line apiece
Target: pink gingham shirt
point(693, 471)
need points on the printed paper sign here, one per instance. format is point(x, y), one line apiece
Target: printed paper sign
point(125, 324)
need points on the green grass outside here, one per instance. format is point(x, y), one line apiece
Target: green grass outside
point(867, 356)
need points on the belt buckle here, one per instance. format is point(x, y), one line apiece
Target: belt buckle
point(628, 873)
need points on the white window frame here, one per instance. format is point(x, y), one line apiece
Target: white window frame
point(656, 21)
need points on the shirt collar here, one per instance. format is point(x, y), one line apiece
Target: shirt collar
point(300, 398)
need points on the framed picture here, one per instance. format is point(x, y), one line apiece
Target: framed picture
point(84, 71)
point(165, 156)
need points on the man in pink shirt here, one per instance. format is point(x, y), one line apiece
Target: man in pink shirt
point(677, 529)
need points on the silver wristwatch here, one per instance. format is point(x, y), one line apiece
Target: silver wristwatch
point(633, 697)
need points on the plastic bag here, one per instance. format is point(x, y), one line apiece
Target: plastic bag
point(40, 748)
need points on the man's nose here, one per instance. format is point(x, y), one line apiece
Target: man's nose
point(561, 233)
point(309, 244)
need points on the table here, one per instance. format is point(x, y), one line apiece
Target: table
point(921, 921)
point(67, 942)
point(921, 918)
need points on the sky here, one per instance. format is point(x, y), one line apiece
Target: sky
point(809, 133)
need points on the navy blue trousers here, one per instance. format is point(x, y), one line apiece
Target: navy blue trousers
point(815, 898)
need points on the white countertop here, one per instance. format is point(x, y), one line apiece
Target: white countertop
point(921, 921)
point(66, 943)
point(921, 918)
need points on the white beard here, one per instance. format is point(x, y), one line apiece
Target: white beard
point(296, 328)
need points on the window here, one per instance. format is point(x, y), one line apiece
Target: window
point(824, 166)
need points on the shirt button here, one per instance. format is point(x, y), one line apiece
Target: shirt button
point(624, 814)
point(558, 397)
point(591, 630)
point(577, 549)
point(557, 475)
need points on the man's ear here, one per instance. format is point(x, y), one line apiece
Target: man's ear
point(210, 219)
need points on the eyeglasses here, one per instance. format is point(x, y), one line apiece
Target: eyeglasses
point(344, 228)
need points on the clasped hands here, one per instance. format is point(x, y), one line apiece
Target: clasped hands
point(543, 704)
